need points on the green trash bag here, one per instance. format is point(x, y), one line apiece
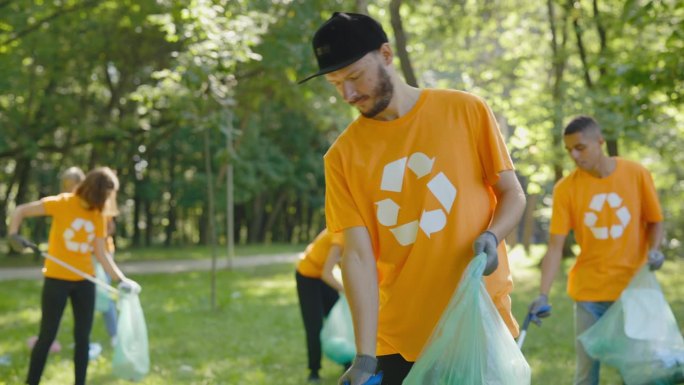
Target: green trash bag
point(102, 299)
point(131, 354)
point(337, 335)
point(471, 344)
point(639, 335)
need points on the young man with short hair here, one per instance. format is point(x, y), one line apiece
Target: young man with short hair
point(612, 206)
point(419, 184)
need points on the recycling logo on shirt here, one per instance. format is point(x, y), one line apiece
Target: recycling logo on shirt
point(613, 231)
point(429, 222)
point(77, 225)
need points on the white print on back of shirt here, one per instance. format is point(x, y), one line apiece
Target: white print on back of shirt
point(392, 181)
point(78, 225)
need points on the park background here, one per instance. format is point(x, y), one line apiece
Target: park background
point(186, 98)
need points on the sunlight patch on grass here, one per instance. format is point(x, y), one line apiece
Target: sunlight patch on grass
point(257, 336)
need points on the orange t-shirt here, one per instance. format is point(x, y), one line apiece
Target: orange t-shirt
point(72, 233)
point(609, 217)
point(421, 185)
point(314, 257)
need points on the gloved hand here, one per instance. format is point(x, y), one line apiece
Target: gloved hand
point(537, 309)
point(360, 371)
point(655, 259)
point(18, 243)
point(128, 285)
point(487, 243)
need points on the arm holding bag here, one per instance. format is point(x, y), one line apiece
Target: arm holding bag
point(131, 354)
point(471, 344)
point(639, 335)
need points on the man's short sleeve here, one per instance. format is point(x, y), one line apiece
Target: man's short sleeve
point(53, 204)
point(650, 206)
point(491, 146)
point(340, 210)
point(561, 222)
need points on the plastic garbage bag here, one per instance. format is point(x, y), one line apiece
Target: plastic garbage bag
point(102, 298)
point(337, 335)
point(131, 354)
point(471, 344)
point(639, 335)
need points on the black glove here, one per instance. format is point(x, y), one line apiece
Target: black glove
point(539, 308)
point(361, 370)
point(18, 243)
point(655, 259)
point(487, 243)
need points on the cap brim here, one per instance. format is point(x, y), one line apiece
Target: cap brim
point(332, 68)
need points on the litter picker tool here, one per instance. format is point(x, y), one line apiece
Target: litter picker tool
point(543, 312)
point(111, 289)
point(376, 379)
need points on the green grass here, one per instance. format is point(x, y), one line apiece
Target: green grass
point(256, 336)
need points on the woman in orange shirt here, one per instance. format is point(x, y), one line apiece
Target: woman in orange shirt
point(77, 225)
point(317, 289)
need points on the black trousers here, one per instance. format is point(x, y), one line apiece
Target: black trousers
point(54, 298)
point(394, 368)
point(316, 299)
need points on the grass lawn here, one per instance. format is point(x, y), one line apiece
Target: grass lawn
point(256, 335)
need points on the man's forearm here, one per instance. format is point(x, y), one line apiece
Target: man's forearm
point(508, 212)
point(550, 266)
point(655, 235)
point(551, 262)
point(361, 287)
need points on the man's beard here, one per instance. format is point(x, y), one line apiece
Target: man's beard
point(382, 94)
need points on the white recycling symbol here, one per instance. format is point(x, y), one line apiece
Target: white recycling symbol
point(430, 221)
point(77, 225)
point(615, 203)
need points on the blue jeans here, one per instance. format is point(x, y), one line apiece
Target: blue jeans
point(110, 315)
point(586, 314)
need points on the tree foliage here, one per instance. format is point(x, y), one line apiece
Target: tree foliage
point(135, 84)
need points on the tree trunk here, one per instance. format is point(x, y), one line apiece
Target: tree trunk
point(5, 202)
point(274, 214)
point(149, 223)
point(171, 214)
point(137, 202)
point(23, 181)
point(362, 6)
point(400, 36)
point(528, 221)
point(254, 235)
point(202, 225)
point(611, 143)
point(559, 61)
point(210, 215)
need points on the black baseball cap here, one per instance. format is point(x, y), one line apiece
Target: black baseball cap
point(343, 39)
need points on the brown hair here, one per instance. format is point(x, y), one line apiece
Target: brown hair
point(98, 188)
